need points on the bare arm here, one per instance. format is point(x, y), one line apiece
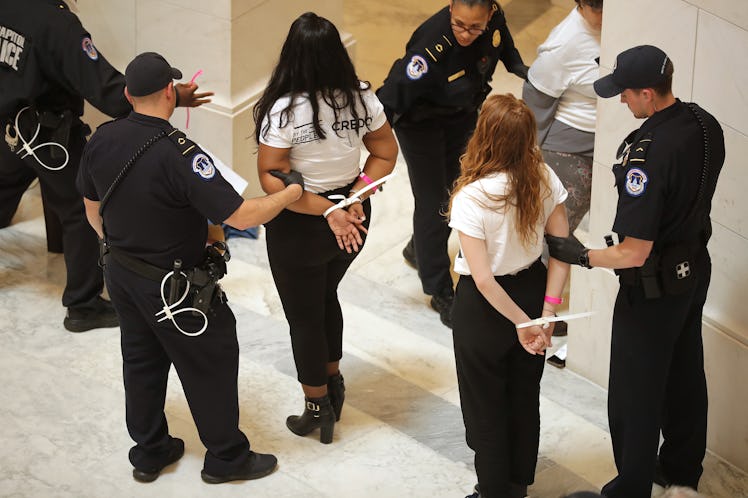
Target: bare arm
point(631, 253)
point(253, 212)
point(94, 218)
point(558, 271)
point(476, 254)
point(382, 149)
point(272, 158)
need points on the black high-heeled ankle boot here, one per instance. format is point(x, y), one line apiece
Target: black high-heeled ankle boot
point(318, 413)
point(336, 391)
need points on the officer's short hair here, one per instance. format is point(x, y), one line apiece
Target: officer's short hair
point(666, 87)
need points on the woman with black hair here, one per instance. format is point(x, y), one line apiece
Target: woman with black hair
point(431, 97)
point(313, 118)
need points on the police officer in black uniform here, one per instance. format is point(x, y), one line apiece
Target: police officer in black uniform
point(431, 97)
point(666, 179)
point(48, 66)
point(149, 192)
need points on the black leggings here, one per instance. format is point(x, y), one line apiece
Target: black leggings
point(499, 381)
point(307, 266)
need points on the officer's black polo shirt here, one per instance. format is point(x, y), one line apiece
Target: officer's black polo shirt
point(436, 70)
point(159, 211)
point(661, 174)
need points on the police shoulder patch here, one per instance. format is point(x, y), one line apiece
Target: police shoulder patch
point(201, 164)
point(89, 49)
point(416, 68)
point(636, 182)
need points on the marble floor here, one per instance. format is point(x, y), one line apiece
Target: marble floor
point(62, 403)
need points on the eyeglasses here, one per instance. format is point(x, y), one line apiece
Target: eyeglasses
point(461, 28)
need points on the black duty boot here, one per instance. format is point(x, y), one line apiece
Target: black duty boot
point(561, 329)
point(99, 314)
point(176, 450)
point(318, 413)
point(258, 465)
point(442, 303)
point(336, 392)
point(409, 253)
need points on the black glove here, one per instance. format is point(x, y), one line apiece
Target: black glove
point(520, 70)
point(290, 178)
point(568, 249)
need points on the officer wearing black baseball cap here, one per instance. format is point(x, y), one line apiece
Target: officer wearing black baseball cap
point(148, 192)
point(148, 73)
point(639, 67)
point(666, 177)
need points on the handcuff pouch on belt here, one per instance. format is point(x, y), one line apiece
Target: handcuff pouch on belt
point(59, 124)
point(205, 276)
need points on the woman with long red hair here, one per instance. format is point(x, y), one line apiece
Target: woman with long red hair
point(504, 200)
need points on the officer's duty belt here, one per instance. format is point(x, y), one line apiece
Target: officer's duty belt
point(136, 265)
point(667, 271)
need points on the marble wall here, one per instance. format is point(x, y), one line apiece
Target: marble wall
point(236, 43)
point(703, 38)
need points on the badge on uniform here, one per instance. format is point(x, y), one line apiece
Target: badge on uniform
point(496, 41)
point(89, 49)
point(416, 68)
point(636, 182)
point(203, 166)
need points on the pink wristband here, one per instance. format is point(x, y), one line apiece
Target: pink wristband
point(553, 300)
point(369, 181)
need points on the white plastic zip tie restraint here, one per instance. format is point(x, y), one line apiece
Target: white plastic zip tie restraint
point(347, 201)
point(27, 145)
point(545, 321)
point(169, 314)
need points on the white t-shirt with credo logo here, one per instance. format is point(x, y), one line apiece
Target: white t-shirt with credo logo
point(328, 163)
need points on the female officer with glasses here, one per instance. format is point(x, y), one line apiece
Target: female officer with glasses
point(431, 97)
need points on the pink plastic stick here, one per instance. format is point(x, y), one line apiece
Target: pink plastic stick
point(198, 73)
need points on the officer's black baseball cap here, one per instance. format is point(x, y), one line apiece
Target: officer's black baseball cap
point(638, 67)
point(148, 73)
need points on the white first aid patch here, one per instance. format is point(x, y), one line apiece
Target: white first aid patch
point(636, 182)
point(89, 49)
point(203, 166)
point(416, 68)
